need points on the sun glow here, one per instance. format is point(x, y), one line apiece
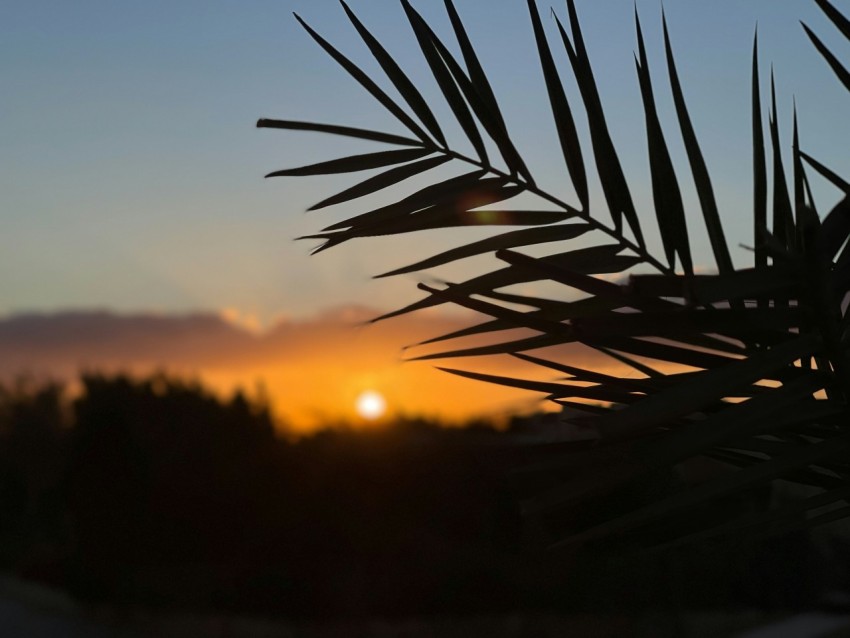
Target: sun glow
point(371, 405)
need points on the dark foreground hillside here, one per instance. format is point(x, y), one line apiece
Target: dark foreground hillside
point(154, 493)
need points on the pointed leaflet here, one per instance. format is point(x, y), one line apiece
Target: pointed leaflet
point(561, 111)
point(444, 79)
point(665, 187)
point(668, 380)
point(709, 386)
point(442, 217)
point(759, 167)
point(611, 176)
point(747, 456)
point(586, 408)
point(539, 303)
point(839, 69)
point(405, 87)
point(802, 213)
point(836, 227)
point(705, 192)
point(839, 182)
point(451, 217)
point(544, 321)
point(474, 195)
point(661, 352)
point(644, 369)
point(818, 245)
point(810, 198)
point(688, 348)
point(494, 126)
point(825, 304)
point(680, 323)
point(841, 274)
point(836, 16)
point(355, 163)
point(472, 99)
point(726, 483)
point(492, 325)
point(557, 311)
point(526, 237)
point(549, 270)
point(777, 250)
point(620, 467)
point(595, 260)
point(783, 217)
point(747, 283)
point(476, 73)
point(450, 189)
point(455, 215)
point(479, 94)
point(675, 351)
point(345, 131)
point(758, 447)
point(379, 182)
point(555, 390)
point(518, 319)
point(563, 273)
point(366, 83)
point(581, 374)
point(761, 519)
point(509, 347)
point(729, 424)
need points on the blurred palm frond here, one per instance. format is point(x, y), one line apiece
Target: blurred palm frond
point(747, 366)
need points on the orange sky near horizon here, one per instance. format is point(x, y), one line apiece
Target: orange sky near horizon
point(311, 369)
point(335, 361)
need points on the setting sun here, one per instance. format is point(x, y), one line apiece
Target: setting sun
point(371, 405)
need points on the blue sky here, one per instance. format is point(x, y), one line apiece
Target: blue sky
point(131, 171)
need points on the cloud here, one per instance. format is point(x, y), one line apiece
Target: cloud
point(312, 368)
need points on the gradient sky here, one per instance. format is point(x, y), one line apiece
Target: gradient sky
point(131, 171)
point(312, 370)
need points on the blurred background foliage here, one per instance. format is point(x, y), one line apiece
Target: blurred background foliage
point(152, 491)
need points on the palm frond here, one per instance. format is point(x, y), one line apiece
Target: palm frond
point(705, 191)
point(561, 111)
point(748, 366)
point(666, 194)
point(759, 166)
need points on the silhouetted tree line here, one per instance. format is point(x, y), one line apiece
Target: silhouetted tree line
point(157, 492)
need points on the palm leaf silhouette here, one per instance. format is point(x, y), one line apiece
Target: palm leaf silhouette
point(748, 366)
